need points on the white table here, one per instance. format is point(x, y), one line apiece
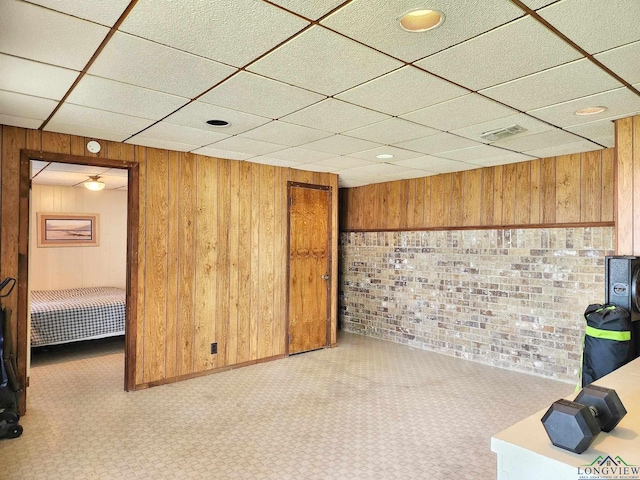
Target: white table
point(525, 452)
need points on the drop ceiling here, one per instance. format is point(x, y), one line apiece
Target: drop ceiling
point(325, 85)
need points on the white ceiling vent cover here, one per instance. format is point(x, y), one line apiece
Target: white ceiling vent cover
point(501, 133)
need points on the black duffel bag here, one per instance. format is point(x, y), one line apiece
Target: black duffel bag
point(607, 341)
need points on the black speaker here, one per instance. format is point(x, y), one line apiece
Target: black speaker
point(622, 279)
point(622, 282)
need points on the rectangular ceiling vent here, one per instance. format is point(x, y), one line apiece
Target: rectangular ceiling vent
point(502, 133)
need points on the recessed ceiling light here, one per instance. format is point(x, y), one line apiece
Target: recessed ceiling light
point(218, 123)
point(591, 110)
point(384, 156)
point(421, 20)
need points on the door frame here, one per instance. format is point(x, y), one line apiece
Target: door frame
point(329, 189)
point(133, 209)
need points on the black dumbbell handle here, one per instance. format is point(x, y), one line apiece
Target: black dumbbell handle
point(593, 410)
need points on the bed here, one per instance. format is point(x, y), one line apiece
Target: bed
point(63, 316)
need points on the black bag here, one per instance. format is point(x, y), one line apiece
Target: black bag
point(607, 341)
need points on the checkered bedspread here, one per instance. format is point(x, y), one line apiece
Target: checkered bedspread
point(62, 316)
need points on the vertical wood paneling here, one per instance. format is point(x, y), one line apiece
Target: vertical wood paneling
point(428, 200)
point(448, 196)
point(156, 265)
point(234, 265)
point(403, 219)
point(172, 266)
point(636, 183)
point(207, 257)
point(416, 202)
point(608, 185)
point(267, 261)
point(497, 195)
point(244, 263)
point(256, 187)
point(548, 190)
point(280, 263)
point(57, 142)
point(223, 264)
point(508, 194)
point(486, 214)
point(472, 197)
point(187, 261)
point(568, 188)
point(438, 200)
point(625, 186)
point(371, 198)
point(141, 156)
point(523, 193)
point(590, 186)
point(535, 191)
point(333, 298)
point(457, 199)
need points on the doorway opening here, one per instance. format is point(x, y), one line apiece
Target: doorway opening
point(64, 275)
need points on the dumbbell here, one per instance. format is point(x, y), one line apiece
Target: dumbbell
point(575, 425)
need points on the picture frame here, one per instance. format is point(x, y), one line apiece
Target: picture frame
point(68, 229)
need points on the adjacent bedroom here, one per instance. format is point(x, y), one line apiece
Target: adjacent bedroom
point(77, 261)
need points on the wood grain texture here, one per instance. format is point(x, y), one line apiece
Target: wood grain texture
point(210, 256)
point(566, 190)
point(625, 186)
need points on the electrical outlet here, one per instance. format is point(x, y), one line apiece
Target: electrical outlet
point(214, 348)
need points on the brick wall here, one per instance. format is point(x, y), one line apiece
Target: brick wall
point(510, 298)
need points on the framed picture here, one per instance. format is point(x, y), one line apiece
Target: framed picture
point(67, 229)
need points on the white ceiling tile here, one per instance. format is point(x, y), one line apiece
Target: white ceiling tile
point(180, 134)
point(530, 124)
point(341, 145)
point(459, 112)
point(443, 142)
point(25, 106)
point(221, 153)
point(117, 172)
point(258, 95)
point(619, 102)
point(196, 114)
point(162, 144)
point(52, 177)
point(247, 146)
point(503, 159)
point(26, 76)
point(380, 169)
point(334, 116)
point(86, 117)
point(348, 183)
point(285, 134)
point(344, 162)
point(85, 170)
point(618, 60)
point(536, 4)
point(398, 154)
point(473, 154)
point(564, 149)
point(594, 26)
point(314, 167)
point(301, 155)
point(558, 84)
point(22, 122)
point(374, 22)
point(304, 62)
point(122, 98)
point(103, 12)
point(514, 50)
point(147, 64)
point(276, 162)
point(402, 91)
point(391, 130)
point(312, 9)
point(407, 174)
point(602, 131)
point(86, 131)
point(233, 32)
point(436, 164)
point(550, 138)
point(36, 33)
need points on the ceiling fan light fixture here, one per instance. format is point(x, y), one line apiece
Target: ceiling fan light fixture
point(590, 111)
point(94, 184)
point(421, 20)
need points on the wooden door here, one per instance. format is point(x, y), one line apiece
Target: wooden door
point(309, 267)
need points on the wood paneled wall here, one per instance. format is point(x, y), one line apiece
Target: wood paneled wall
point(628, 186)
point(571, 189)
point(212, 260)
